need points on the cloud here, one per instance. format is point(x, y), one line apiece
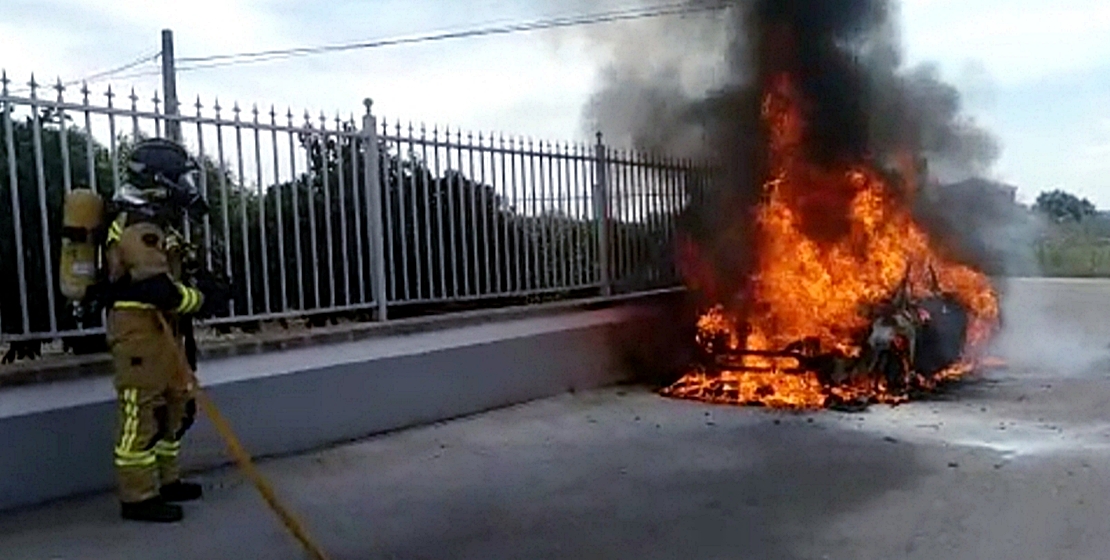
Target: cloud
point(1018, 40)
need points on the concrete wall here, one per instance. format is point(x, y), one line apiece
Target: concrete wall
point(56, 439)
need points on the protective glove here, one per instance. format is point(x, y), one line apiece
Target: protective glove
point(98, 296)
point(216, 291)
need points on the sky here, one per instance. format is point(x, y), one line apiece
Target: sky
point(1036, 73)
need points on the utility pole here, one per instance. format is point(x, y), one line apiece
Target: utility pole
point(169, 87)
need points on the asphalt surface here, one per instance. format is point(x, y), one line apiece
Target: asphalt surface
point(1011, 466)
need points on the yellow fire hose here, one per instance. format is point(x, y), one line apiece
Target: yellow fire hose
point(243, 459)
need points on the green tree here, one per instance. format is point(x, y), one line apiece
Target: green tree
point(1061, 206)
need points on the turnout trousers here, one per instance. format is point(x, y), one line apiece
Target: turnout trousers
point(155, 398)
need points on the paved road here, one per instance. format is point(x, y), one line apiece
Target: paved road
point(1013, 466)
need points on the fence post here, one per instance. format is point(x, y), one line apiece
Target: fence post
point(372, 182)
point(601, 215)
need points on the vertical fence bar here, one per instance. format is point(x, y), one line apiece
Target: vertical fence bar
point(534, 273)
point(624, 186)
point(439, 213)
point(311, 194)
point(135, 134)
point(601, 213)
point(295, 202)
point(263, 246)
point(17, 212)
point(582, 192)
point(492, 203)
point(330, 245)
point(616, 196)
point(574, 210)
point(393, 293)
point(157, 111)
point(204, 187)
point(490, 252)
point(522, 223)
point(507, 219)
point(63, 138)
point(90, 153)
point(547, 211)
point(399, 182)
point(466, 211)
point(279, 211)
point(113, 153)
point(643, 235)
point(243, 202)
point(447, 191)
point(40, 179)
point(553, 213)
point(654, 218)
point(542, 217)
point(374, 209)
point(224, 195)
point(563, 215)
point(343, 245)
point(631, 227)
point(426, 188)
point(678, 196)
point(559, 201)
point(359, 232)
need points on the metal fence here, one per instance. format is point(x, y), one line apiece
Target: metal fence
point(337, 213)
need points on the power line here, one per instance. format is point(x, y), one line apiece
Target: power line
point(98, 75)
point(215, 61)
point(221, 60)
point(114, 71)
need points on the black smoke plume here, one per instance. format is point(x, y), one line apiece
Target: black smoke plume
point(862, 104)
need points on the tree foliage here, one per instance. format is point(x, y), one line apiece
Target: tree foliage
point(1061, 206)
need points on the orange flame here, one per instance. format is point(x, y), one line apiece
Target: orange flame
point(813, 283)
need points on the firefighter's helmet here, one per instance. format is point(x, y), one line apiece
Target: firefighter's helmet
point(161, 173)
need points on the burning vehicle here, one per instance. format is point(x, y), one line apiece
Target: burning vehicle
point(847, 299)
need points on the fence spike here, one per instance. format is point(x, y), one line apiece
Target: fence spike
point(85, 93)
point(110, 95)
point(34, 87)
point(198, 105)
point(4, 81)
point(217, 107)
point(134, 99)
point(60, 88)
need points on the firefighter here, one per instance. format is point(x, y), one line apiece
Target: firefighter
point(146, 301)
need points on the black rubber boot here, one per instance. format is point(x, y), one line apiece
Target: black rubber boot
point(154, 510)
point(181, 491)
